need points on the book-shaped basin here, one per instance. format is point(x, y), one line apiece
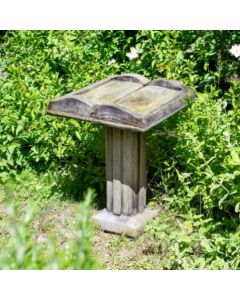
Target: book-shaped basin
point(128, 101)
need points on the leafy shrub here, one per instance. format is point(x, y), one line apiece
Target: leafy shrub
point(200, 59)
point(23, 252)
point(208, 148)
point(199, 173)
point(38, 66)
point(41, 65)
point(186, 242)
point(200, 170)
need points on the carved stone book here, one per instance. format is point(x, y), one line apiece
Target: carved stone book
point(128, 101)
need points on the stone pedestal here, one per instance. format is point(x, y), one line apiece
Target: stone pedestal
point(129, 105)
point(126, 183)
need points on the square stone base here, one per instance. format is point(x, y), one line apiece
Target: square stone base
point(131, 226)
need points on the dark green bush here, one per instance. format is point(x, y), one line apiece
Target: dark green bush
point(208, 150)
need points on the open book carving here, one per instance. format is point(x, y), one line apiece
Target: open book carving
point(128, 101)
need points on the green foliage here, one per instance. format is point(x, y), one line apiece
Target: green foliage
point(208, 148)
point(200, 59)
point(186, 242)
point(199, 173)
point(203, 158)
point(194, 155)
point(22, 251)
point(41, 65)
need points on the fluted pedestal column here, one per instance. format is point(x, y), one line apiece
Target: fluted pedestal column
point(125, 171)
point(126, 210)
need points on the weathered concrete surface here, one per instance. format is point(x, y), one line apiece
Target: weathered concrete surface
point(125, 171)
point(131, 226)
point(127, 101)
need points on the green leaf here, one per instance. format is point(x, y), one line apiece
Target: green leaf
point(237, 207)
point(235, 157)
point(78, 135)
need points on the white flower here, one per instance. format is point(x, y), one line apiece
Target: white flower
point(235, 50)
point(112, 61)
point(133, 53)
